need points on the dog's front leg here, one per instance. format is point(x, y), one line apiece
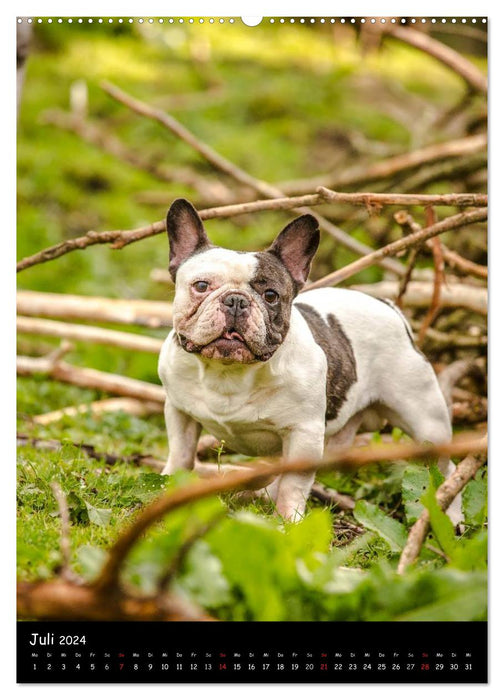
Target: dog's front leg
point(183, 433)
point(294, 488)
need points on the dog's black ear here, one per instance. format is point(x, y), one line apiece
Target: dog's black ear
point(296, 245)
point(185, 233)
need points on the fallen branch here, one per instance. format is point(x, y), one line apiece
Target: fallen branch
point(60, 600)
point(445, 494)
point(88, 334)
point(349, 458)
point(134, 407)
point(460, 65)
point(90, 378)
point(358, 174)
point(419, 295)
point(332, 497)
point(379, 199)
point(448, 224)
point(138, 312)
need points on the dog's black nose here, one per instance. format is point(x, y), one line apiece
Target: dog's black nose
point(236, 302)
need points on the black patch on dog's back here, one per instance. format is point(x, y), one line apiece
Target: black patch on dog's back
point(341, 365)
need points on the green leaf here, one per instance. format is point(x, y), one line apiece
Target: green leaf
point(79, 514)
point(203, 578)
point(98, 516)
point(471, 554)
point(474, 502)
point(440, 523)
point(467, 601)
point(91, 560)
point(415, 483)
point(392, 531)
point(257, 563)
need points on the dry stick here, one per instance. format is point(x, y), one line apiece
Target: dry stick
point(348, 458)
point(448, 224)
point(390, 167)
point(66, 572)
point(119, 238)
point(419, 294)
point(138, 312)
point(409, 225)
point(88, 334)
point(380, 199)
point(410, 266)
point(468, 267)
point(332, 497)
point(444, 495)
point(90, 378)
point(235, 172)
point(435, 304)
point(460, 65)
point(134, 407)
point(60, 600)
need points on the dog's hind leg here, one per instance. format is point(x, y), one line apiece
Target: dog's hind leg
point(414, 402)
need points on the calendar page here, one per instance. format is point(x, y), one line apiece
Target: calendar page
point(252, 340)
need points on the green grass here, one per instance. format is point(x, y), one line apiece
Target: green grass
point(279, 109)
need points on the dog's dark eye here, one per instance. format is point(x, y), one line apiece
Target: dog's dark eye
point(270, 296)
point(200, 286)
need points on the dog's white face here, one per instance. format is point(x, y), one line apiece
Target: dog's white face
point(229, 306)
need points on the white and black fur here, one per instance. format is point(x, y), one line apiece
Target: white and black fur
point(270, 370)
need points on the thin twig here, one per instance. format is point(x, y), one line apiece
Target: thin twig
point(445, 495)
point(332, 497)
point(66, 552)
point(435, 304)
point(448, 224)
point(349, 458)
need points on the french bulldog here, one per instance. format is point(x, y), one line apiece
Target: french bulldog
point(271, 369)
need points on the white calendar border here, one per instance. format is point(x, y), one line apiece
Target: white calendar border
point(275, 8)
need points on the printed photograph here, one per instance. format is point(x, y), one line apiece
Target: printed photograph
point(252, 319)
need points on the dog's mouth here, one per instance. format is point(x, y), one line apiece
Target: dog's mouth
point(229, 347)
